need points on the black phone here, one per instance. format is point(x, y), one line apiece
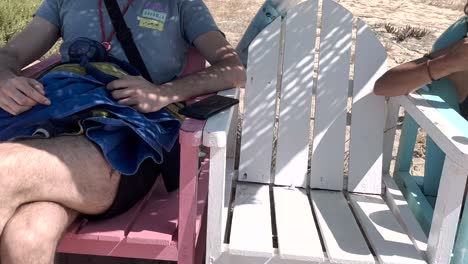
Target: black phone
point(208, 107)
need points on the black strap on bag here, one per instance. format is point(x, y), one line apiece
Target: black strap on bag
point(125, 37)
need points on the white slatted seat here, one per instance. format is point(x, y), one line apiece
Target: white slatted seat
point(288, 206)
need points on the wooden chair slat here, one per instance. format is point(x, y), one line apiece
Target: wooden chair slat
point(296, 95)
point(251, 232)
point(157, 223)
point(400, 207)
point(368, 114)
point(298, 238)
point(446, 212)
point(390, 242)
point(115, 229)
point(331, 98)
point(259, 106)
point(343, 240)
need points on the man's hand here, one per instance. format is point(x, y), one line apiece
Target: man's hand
point(20, 94)
point(138, 93)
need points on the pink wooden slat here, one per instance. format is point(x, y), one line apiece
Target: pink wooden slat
point(200, 246)
point(34, 70)
point(157, 223)
point(146, 251)
point(188, 199)
point(114, 229)
point(202, 203)
point(116, 249)
point(86, 247)
point(191, 132)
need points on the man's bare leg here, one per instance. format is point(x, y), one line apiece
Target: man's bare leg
point(70, 171)
point(32, 234)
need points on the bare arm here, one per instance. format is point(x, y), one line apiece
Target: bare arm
point(450, 62)
point(226, 71)
point(29, 45)
point(19, 94)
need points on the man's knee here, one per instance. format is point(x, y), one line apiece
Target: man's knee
point(29, 233)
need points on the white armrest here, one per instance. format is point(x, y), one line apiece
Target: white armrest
point(447, 136)
point(217, 126)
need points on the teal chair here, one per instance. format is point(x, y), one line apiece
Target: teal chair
point(421, 192)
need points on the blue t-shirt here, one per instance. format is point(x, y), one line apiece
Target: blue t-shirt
point(163, 30)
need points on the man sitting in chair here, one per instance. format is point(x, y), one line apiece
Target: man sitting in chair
point(45, 183)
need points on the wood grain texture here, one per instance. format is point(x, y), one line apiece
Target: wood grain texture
point(298, 238)
point(409, 132)
point(296, 95)
point(400, 208)
point(390, 242)
point(331, 98)
point(446, 213)
point(391, 125)
point(251, 231)
point(450, 139)
point(368, 114)
point(217, 208)
point(417, 201)
point(259, 106)
point(188, 202)
point(343, 240)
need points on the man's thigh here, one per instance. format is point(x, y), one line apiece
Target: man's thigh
point(70, 171)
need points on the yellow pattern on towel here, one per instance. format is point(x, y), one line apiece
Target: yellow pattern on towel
point(115, 71)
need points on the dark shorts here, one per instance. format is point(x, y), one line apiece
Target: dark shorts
point(133, 188)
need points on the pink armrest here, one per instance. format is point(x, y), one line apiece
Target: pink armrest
point(35, 69)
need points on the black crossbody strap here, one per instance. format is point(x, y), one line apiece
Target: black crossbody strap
point(125, 37)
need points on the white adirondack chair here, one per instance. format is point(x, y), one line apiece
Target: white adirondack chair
point(274, 209)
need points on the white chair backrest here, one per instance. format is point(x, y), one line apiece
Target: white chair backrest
point(281, 65)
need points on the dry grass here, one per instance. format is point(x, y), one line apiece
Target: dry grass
point(233, 16)
point(405, 32)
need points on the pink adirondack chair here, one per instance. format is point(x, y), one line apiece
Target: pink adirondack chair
point(163, 226)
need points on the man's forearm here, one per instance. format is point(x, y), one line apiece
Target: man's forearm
point(9, 66)
point(225, 74)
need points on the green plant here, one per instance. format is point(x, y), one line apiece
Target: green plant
point(14, 15)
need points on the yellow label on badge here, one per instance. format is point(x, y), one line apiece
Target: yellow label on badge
point(151, 23)
point(148, 13)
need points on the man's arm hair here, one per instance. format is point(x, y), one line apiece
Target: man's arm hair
point(26, 47)
point(226, 70)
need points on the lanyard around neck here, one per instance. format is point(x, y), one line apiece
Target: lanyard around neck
point(106, 42)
